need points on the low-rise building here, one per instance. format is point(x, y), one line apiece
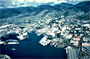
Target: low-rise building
point(44, 42)
point(23, 36)
point(75, 43)
point(1, 42)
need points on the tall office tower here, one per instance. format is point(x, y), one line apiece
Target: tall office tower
point(86, 57)
point(71, 53)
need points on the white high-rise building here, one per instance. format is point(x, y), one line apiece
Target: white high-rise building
point(71, 53)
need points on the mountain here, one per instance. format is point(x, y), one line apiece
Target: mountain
point(67, 8)
point(63, 6)
point(83, 6)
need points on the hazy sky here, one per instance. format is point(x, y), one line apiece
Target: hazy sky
point(38, 0)
point(45, 1)
point(50, 0)
point(17, 2)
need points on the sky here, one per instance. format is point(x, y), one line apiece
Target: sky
point(35, 3)
point(41, 1)
point(45, 1)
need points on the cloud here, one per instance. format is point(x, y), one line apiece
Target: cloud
point(46, 1)
point(41, 1)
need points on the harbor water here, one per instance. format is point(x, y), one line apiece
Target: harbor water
point(31, 49)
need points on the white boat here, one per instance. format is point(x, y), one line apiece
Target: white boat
point(13, 43)
point(13, 49)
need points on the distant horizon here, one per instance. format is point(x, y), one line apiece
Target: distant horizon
point(34, 4)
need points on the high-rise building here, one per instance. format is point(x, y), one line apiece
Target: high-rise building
point(71, 53)
point(86, 57)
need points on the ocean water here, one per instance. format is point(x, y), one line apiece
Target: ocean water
point(31, 49)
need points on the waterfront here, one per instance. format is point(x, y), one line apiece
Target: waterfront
point(32, 49)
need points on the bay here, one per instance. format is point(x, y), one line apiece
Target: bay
point(31, 49)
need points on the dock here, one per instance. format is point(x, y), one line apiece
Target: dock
point(44, 42)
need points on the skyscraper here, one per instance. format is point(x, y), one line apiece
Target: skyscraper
point(71, 53)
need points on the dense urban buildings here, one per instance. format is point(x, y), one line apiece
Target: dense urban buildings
point(63, 25)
